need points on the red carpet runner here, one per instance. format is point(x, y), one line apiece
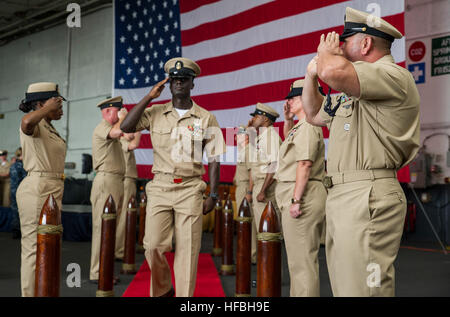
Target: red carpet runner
point(208, 281)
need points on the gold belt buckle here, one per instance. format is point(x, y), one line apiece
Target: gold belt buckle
point(63, 176)
point(327, 182)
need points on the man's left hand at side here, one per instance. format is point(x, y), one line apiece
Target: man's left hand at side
point(208, 205)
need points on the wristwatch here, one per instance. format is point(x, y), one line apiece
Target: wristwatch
point(295, 201)
point(214, 196)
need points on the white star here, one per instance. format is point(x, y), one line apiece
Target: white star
point(122, 60)
point(161, 64)
point(154, 31)
point(153, 7)
point(129, 27)
point(147, 80)
point(129, 50)
point(122, 39)
point(167, 51)
point(135, 37)
point(151, 67)
point(170, 14)
point(141, 24)
point(156, 77)
point(122, 18)
point(121, 81)
point(144, 11)
point(160, 17)
point(150, 21)
point(134, 15)
point(147, 57)
point(136, 60)
point(161, 41)
point(151, 44)
point(166, 27)
point(142, 69)
point(139, 3)
point(129, 70)
point(142, 48)
point(175, 25)
point(174, 2)
point(127, 6)
point(155, 54)
point(172, 38)
point(135, 81)
point(146, 34)
point(178, 49)
point(165, 4)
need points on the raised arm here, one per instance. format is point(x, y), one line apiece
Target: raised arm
point(30, 120)
point(132, 118)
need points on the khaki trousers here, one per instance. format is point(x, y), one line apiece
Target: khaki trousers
point(258, 207)
point(302, 235)
point(31, 195)
point(241, 191)
point(173, 209)
point(129, 190)
point(364, 227)
point(5, 192)
point(104, 184)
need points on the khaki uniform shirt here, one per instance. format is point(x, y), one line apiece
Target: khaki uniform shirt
point(4, 169)
point(380, 129)
point(178, 142)
point(303, 143)
point(129, 158)
point(242, 174)
point(44, 150)
point(263, 156)
point(107, 155)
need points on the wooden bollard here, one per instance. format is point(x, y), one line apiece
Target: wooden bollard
point(129, 254)
point(48, 252)
point(227, 267)
point(142, 213)
point(217, 244)
point(268, 277)
point(108, 241)
point(244, 250)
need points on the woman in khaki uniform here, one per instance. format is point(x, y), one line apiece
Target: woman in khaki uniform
point(44, 153)
point(301, 195)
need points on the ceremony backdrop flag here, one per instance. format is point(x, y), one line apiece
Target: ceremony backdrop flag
point(249, 51)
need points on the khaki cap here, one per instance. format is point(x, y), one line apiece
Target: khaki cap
point(362, 22)
point(265, 110)
point(181, 67)
point(111, 102)
point(297, 89)
point(41, 91)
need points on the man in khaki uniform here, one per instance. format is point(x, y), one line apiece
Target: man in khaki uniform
point(264, 144)
point(181, 131)
point(4, 179)
point(109, 165)
point(129, 142)
point(301, 195)
point(241, 180)
point(374, 131)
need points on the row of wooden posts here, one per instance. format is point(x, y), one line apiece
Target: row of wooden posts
point(268, 276)
point(49, 238)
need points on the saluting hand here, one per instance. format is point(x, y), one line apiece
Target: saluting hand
point(311, 69)
point(330, 44)
point(158, 88)
point(288, 115)
point(54, 103)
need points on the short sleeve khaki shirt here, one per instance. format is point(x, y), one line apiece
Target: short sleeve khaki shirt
point(303, 143)
point(179, 142)
point(379, 129)
point(107, 155)
point(129, 158)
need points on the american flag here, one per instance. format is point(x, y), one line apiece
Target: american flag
point(249, 51)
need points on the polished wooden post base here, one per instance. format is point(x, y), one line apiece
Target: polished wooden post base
point(227, 267)
point(244, 250)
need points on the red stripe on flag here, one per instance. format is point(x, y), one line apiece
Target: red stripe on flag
point(262, 14)
point(190, 5)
